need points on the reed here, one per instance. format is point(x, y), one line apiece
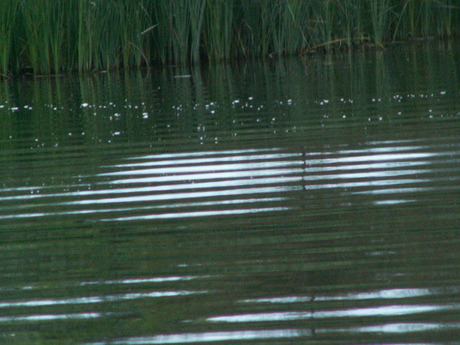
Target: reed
point(218, 29)
point(325, 22)
point(99, 47)
point(289, 35)
point(427, 8)
point(353, 30)
point(132, 17)
point(445, 18)
point(43, 35)
point(85, 37)
point(196, 13)
point(57, 26)
point(36, 18)
point(381, 19)
point(251, 35)
point(54, 36)
point(7, 22)
point(161, 41)
point(179, 26)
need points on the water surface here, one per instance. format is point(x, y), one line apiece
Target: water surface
point(310, 201)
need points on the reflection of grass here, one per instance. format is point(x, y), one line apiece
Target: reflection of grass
point(52, 36)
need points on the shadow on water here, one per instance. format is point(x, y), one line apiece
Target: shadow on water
point(293, 201)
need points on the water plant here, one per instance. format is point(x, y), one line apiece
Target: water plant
point(218, 29)
point(54, 36)
point(7, 22)
point(325, 18)
point(289, 35)
point(380, 17)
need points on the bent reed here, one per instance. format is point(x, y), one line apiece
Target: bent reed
point(58, 36)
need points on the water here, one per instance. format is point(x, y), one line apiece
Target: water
point(301, 201)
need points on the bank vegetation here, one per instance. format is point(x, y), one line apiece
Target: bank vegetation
point(58, 36)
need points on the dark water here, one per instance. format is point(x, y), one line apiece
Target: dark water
point(302, 201)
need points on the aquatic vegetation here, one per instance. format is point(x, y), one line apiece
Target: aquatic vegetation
point(380, 14)
point(218, 29)
point(7, 19)
point(55, 36)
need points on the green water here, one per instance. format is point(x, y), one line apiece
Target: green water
point(299, 201)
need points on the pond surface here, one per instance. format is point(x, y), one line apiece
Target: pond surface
point(302, 201)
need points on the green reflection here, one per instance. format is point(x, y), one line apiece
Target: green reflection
point(216, 103)
point(313, 199)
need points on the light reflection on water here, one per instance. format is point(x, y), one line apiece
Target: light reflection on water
point(404, 328)
point(188, 338)
point(391, 310)
point(51, 317)
point(393, 293)
point(219, 175)
point(95, 299)
point(213, 337)
point(239, 205)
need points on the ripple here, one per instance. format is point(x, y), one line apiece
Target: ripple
point(390, 310)
point(210, 337)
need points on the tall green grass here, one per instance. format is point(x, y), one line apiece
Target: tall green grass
point(55, 36)
point(381, 19)
point(7, 21)
point(218, 29)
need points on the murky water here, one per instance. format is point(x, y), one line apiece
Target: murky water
point(306, 201)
